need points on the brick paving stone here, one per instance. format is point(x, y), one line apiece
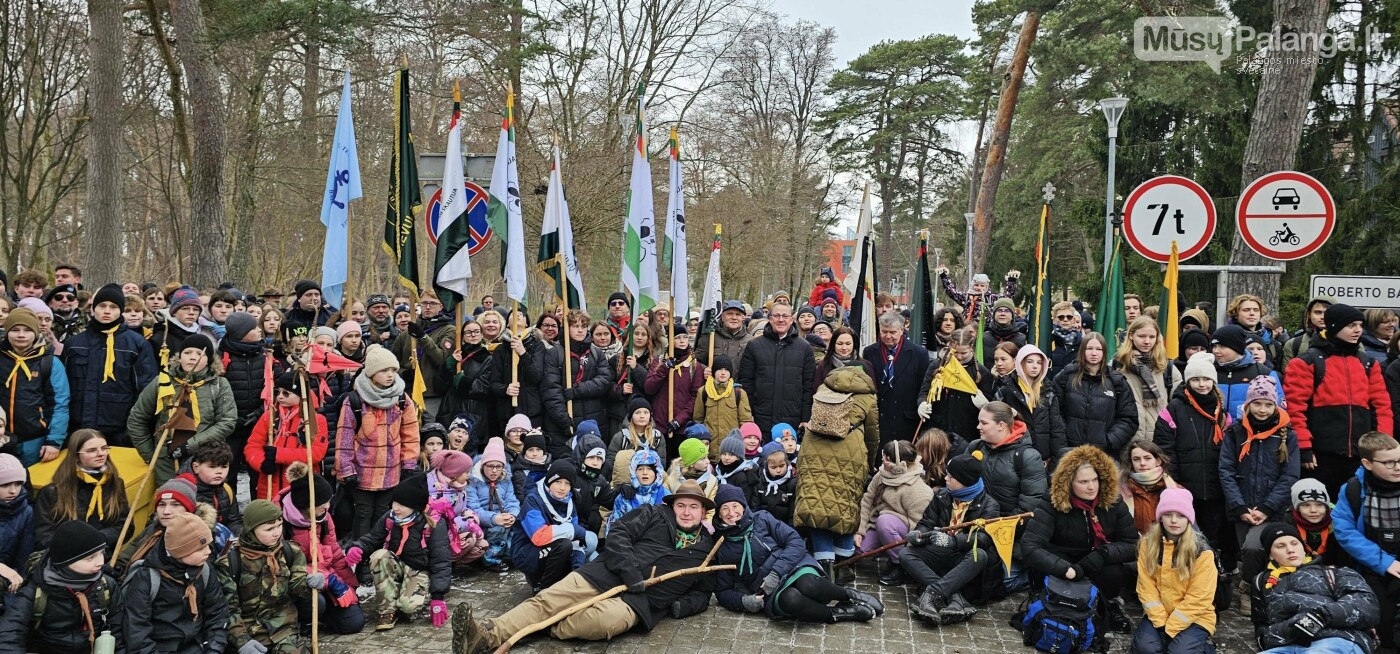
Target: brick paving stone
point(719, 630)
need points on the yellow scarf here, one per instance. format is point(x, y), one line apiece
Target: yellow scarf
point(1031, 395)
point(1277, 572)
point(21, 363)
point(714, 392)
point(95, 504)
point(165, 394)
point(111, 361)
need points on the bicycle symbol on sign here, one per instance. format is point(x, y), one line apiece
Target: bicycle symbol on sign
point(1284, 235)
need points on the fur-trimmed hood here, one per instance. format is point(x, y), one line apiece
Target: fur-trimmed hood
point(1063, 476)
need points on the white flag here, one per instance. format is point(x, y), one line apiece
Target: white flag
point(863, 227)
point(674, 254)
point(503, 212)
point(557, 241)
point(639, 244)
point(452, 261)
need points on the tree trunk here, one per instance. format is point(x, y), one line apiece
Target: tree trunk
point(102, 227)
point(208, 230)
point(996, 149)
point(1276, 129)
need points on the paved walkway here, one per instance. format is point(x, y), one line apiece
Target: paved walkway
point(719, 630)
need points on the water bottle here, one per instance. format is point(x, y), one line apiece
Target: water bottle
point(105, 644)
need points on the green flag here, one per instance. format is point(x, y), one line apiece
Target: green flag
point(1112, 319)
point(405, 197)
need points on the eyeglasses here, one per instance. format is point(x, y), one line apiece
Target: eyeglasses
point(494, 466)
point(1392, 464)
point(65, 297)
point(617, 303)
point(1065, 317)
point(779, 316)
point(282, 391)
point(471, 332)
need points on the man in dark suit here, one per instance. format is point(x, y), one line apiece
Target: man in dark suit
point(899, 366)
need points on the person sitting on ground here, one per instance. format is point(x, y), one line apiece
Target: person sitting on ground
point(775, 573)
point(1083, 531)
point(1300, 606)
point(650, 541)
point(947, 564)
point(893, 503)
point(777, 484)
point(410, 557)
point(1176, 582)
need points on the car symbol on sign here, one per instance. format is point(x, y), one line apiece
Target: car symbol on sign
point(1286, 197)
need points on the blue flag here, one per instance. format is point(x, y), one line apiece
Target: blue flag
point(342, 186)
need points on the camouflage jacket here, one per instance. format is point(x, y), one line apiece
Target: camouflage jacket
point(261, 601)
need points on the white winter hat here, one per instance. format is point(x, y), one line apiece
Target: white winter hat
point(1201, 364)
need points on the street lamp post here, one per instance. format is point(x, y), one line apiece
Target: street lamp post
point(1112, 111)
point(969, 217)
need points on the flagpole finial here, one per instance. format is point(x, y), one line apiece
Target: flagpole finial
point(456, 90)
point(718, 229)
point(403, 60)
point(1049, 192)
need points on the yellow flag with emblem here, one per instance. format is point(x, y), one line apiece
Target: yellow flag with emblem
point(951, 376)
point(1003, 533)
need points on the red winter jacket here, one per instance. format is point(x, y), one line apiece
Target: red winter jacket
point(815, 299)
point(290, 446)
point(331, 557)
point(1347, 404)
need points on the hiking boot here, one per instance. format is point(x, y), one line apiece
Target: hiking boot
point(468, 635)
point(867, 600)
point(844, 574)
point(387, 620)
point(894, 576)
point(958, 610)
point(929, 606)
point(1115, 617)
point(852, 613)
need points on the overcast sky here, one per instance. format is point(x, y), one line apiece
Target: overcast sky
point(864, 23)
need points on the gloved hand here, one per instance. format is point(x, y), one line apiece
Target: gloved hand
point(639, 586)
point(415, 330)
point(673, 427)
point(353, 555)
point(353, 481)
point(1092, 563)
point(180, 453)
point(1307, 626)
point(439, 611)
point(752, 603)
point(941, 539)
point(335, 586)
point(925, 410)
point(1305, 456)
point(1013, 274)
point(668, 363)
point(252, 647)
point(770, 583)
point(269, 464)
point(627, 491)
point(316, 581)
point(568, 394)
point(916, 537)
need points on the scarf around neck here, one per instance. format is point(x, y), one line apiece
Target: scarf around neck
point(1099, 537)
point(95, 504)
point(775, 485)
point(967, 493)
point(549, 503)
point(379, 398)
point(1214, 416)
point(1142, 367)
point(1279, 420)
point(1146, 489)
point(1313, 534)
point(715, 391)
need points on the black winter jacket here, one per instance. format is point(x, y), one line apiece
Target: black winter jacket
point(1100, 411)
point(955, 411)
point(1013, 473)
point(495, 378)
point(158, 619)
point(1341, 594)
point(244, 368)
point(1188, 438)
point(45, 521)
point(93, 403)
point(939, 514)
point(995, 335)
point(776, 372)
point(1057, 540)
point(464, 398)
point(1046, 424)
point(642, 544)
point(422, 547)
point(63, 629)
point(772, 548)
point(592, 379)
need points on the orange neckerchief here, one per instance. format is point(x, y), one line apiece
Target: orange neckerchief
point(1250, 436)
point(1214, 418)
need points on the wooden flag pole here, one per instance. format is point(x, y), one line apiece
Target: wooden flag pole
point(563, 285)
point(671, 355)
point(515, 356)
point(311, 494)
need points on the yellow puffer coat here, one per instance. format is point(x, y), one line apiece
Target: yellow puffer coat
point(832, 471)
point(1173, 603)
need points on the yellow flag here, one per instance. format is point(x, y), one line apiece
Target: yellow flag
point(418, 387)
point(954, 376)
point(1171, 314)
point(1003, 533)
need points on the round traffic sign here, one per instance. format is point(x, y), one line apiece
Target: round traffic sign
point(1165, 209)
point(1285, 215)
point(477, 201)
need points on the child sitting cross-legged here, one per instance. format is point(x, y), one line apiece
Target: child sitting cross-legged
point(1177, 575)
point(410, 557)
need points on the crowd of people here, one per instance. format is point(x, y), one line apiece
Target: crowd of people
point(588, 454)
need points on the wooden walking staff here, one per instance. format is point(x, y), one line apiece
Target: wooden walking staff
point(612, 592)
point(165, 431)
point(961, 525)
point(315, 552)
point(515, 356)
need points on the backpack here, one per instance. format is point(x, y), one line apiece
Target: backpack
point(357, 407)
point(831, 413)
point(1061, 619)
point(206, 573)
point(1318, 361)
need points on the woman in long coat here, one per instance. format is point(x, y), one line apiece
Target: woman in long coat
point(834, 469)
